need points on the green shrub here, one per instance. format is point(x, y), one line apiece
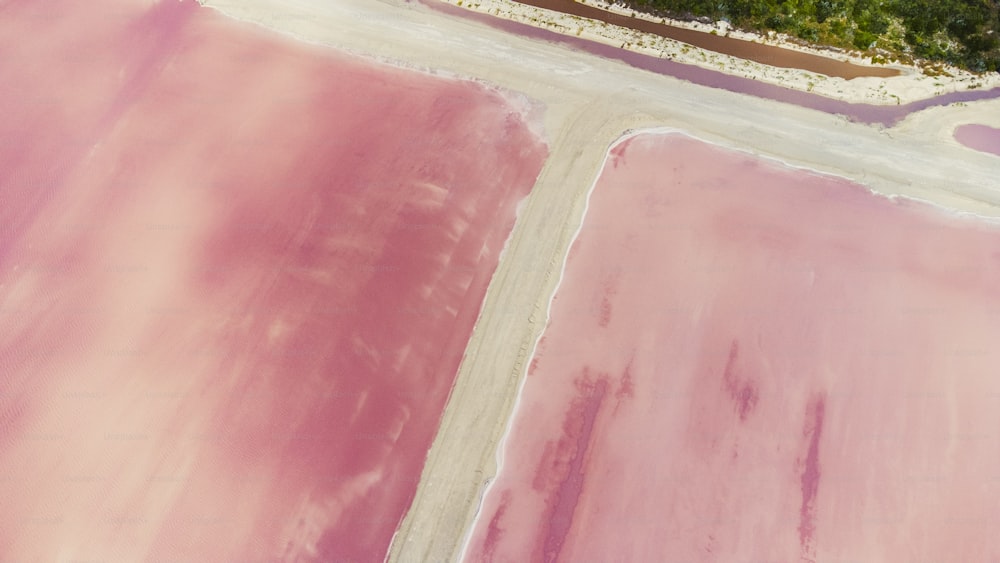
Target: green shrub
point(964, 33)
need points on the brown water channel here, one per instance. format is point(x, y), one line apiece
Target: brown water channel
point(764, 54)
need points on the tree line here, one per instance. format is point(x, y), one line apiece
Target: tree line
point(964, 33)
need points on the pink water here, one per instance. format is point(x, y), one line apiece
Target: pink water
point(747, 362)
point(237, 276)
point(980, 137)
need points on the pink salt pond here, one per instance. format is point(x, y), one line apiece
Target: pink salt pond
point(237, 277)
point(980, 137)
point(747, 362)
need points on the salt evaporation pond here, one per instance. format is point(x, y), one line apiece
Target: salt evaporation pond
point(749, 362)
point(237, 277)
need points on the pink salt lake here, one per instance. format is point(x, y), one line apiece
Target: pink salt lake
point(747, 362)
point(237, 277)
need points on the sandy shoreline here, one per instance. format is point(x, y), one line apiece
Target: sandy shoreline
point(910, 86)
point(589, 104)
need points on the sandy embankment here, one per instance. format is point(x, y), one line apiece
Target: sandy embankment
point(589, 103)
point(911, 85)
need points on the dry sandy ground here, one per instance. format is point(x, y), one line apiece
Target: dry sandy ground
point(590, 103)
